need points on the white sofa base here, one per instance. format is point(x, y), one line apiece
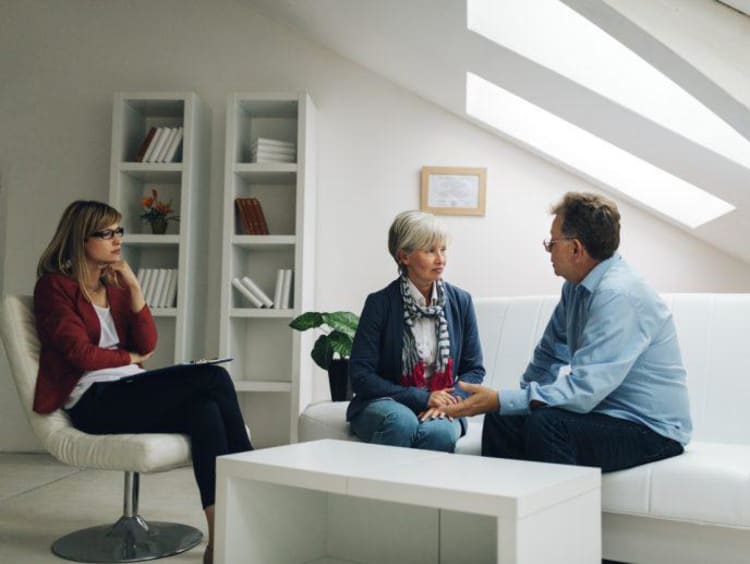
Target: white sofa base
point(643, 540)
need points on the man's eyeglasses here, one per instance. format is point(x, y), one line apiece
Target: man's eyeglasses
point(549, 243)
point(107, 234)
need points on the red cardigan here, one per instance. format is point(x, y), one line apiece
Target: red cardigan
point(69, 332)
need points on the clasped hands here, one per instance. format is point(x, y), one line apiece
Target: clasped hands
point(445, 403)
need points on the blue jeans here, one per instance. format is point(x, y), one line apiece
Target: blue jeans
point(387, 422)
point(585, 439)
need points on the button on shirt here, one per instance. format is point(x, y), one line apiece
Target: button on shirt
point(619, 340)
point(424, 331)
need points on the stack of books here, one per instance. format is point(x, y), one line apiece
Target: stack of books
point(256, 297)
point(272, 151)
point(159, 286)
point(160, 146)
point(250, 217)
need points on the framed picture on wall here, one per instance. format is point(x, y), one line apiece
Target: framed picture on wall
point(450, 190)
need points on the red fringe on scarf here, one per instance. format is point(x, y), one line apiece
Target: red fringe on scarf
point(439, 380)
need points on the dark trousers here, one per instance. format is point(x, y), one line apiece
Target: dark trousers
point(199, 401)
point(583, 439)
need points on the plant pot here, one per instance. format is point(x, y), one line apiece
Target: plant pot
point(338, 379)
point(159, 226)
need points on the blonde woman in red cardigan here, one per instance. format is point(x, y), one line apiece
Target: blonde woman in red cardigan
point(96, 331)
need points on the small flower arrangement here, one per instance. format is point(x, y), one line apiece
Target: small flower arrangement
point(157, 212)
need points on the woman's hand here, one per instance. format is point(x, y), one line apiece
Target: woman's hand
point(433, 413)
point(137, 358)
point(124, 274)
point(442, 398)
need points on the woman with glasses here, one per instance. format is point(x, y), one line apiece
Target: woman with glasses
point(96, 331)
point(416, 338)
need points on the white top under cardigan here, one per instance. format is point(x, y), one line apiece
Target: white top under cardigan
point(107, 340)
point(424, 331)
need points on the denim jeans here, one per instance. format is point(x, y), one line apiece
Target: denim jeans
point(387, 422)
point(585, 439)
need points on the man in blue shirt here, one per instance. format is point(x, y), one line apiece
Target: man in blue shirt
point(620, 399)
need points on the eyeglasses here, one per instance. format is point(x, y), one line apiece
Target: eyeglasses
point(549, 243)
point(107, 234)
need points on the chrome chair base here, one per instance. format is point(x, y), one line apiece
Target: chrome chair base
point(131, 539)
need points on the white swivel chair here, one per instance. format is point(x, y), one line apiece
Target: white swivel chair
point(131, 538)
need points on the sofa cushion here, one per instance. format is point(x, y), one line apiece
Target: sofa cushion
point(708, 484)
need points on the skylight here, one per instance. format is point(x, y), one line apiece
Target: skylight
point(552, 34)
point(594, 157)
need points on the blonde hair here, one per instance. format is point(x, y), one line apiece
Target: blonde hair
point(414, 230)
point(66, 253)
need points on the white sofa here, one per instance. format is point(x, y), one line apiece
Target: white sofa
point(694, 508)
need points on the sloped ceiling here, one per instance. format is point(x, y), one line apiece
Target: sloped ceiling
point(424, 46)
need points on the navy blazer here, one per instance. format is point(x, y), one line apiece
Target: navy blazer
point(375, 368)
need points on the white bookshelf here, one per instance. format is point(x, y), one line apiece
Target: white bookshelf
point(185, 183)
point(271, 370)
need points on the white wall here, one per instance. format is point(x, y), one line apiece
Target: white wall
point(62, 61)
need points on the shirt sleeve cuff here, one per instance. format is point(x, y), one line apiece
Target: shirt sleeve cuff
point(514, 402)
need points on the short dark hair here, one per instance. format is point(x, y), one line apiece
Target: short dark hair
point(592, 219)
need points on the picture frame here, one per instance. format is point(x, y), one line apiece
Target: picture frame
point(450, 190)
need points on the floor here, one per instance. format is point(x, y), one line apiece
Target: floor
point(42, 500)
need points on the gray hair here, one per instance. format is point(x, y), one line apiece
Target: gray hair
point(414, 230)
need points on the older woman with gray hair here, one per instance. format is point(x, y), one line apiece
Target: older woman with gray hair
point(416, 338)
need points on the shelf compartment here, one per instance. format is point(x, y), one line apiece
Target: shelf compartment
point(134, 187)
point(139, 115)
point(272, 118)
point(277, 195)
point(261, 348)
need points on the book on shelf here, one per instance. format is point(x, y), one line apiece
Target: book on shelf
point(148, 282)
point(144, 146)
point(273, 151)
point(286, 289)
point(258, 217)
point(242, 220)
point(152, 146)
point(255, 289)
point(278, 289)
point(172, 290)
point(159, 144)
point(173, 146)
point(161, 155)
point(266, 142)
point(250, 218)
point(163, 296)
point(265, 158)
point(246, 293)
point(154, 299)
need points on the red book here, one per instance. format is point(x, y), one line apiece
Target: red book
point(242, 219)
point(258, 216)
point(144, 146)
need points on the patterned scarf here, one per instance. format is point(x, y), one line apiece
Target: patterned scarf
point(442, 376)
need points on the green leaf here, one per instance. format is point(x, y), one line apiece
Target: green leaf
point(322, 353)
point(308, 320)
point(344, 321)
point(341, 343)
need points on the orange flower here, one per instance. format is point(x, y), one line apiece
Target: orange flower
point(147, 201)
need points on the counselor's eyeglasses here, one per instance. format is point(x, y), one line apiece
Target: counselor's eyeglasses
point(549, 243)
point(107, 234)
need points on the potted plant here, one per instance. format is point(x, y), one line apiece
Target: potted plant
point(157, 213)
point(333, 347)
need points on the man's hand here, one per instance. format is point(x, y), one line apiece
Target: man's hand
point(481, 400)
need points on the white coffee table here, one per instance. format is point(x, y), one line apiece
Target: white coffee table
point(335, 502)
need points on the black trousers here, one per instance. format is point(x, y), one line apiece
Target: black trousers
point(199, 401)
point(585, 439)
